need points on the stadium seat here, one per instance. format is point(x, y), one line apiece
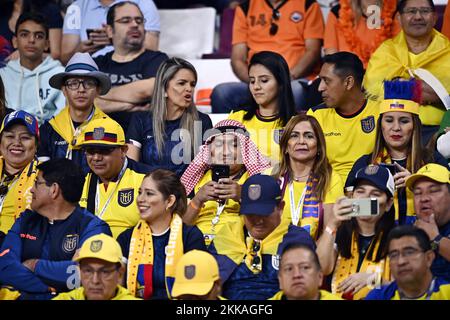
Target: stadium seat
point(187, 33)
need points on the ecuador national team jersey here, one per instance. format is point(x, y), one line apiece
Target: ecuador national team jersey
point(230, 213)
point(323, 295)
point(265, 133)
point(309, 223)
point(439, 290)
point(348, 137)
point(116, 204)
point(79, 294)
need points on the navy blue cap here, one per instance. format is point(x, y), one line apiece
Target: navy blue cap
point(260, 195)
point(24, 118)
point(296, 236)
point(379, 176)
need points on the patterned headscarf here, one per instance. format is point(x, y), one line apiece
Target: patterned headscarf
point(252, 159)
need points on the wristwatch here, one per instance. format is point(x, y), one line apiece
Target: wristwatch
point(435, 243)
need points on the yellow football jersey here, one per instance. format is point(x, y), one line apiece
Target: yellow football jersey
point(347, 137)
point(334, 191)
point(264, 133)
point(117, 204)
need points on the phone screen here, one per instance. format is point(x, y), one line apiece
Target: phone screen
point(219, 172)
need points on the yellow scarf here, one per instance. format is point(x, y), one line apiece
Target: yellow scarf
point(229, 242)
point(63, 125)
point(18, 197)
point(384, 157)
point(346, 267)
point(141, 252)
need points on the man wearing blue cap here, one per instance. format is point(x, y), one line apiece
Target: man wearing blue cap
point(81, 83)
point(248, 255)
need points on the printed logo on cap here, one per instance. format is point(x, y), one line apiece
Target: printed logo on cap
point(368, 124)
point(397, 105)
point(189, 272)
point(70, 243)
point(98, 134)
point(125, 197)
point(371, 170)
point(96, 245)
point(254, 192)
point(296, 17)
point(29, 120)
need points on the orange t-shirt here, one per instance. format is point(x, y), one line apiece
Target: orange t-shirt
point(446, 26)
point(334, 38)
point(295, 25)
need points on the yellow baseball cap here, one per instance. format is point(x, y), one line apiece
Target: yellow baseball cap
point(399, 105)
point(101, 133)
point(101, 246)
point(431, 171)
point(196, 273)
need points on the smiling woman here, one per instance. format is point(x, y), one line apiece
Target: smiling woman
point(18, 144)
point(154, 246)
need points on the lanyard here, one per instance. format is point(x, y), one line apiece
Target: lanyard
point(76, 133)
point(295, 211)
point(97, 194)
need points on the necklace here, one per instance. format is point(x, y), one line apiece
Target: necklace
point(298, 178)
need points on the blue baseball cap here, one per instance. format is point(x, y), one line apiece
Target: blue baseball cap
point(260, 195)
point(21, 117)
point(379, 176)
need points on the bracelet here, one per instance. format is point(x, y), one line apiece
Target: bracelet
point(330, 231)
point(191, 203)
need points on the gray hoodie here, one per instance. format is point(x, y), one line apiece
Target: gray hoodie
point(30, 91)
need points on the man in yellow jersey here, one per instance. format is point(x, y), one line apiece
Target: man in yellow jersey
point(300, 275)
point(417, 51)
point(101, 271)
point(410, 258)
point(112, 186)
point(347, 118)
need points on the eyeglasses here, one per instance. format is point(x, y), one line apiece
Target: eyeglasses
point(101, 151)
point(37, 183)
point(407, 253)
point(256, 260)
point(87, 84)
point(413, 11)
point(273, 26)
point(102, 273)
point(127, 20)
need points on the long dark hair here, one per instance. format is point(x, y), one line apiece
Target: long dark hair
point(382, 229)
point(276, 64)
point(2, 100)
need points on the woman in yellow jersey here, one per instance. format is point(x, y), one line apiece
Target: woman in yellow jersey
point(272, 103)
point(398, 144)
point(215, 203)
point(19, 136)
point(156, 244)
point(353, 247)
point(309, 185)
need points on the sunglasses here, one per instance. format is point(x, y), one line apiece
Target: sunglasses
point(273, 26)
point(256, 260)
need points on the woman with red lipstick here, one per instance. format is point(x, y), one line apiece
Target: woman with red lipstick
point(18, 144)
point(168, 135)
point(309, 185)
point(398, 144)
point(154, 246)
point(272, 103)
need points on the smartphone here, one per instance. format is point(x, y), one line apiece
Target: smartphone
point(88, 32)
point(363, 207)
point(391, 167)
point(220, 171)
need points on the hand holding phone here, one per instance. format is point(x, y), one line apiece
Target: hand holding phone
point(220, 171)
point(362, 207)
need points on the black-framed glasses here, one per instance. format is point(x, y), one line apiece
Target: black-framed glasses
point(74, 84)
point(413, 11)
point(127, 20)
point(102, 273)
point(273, 26)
